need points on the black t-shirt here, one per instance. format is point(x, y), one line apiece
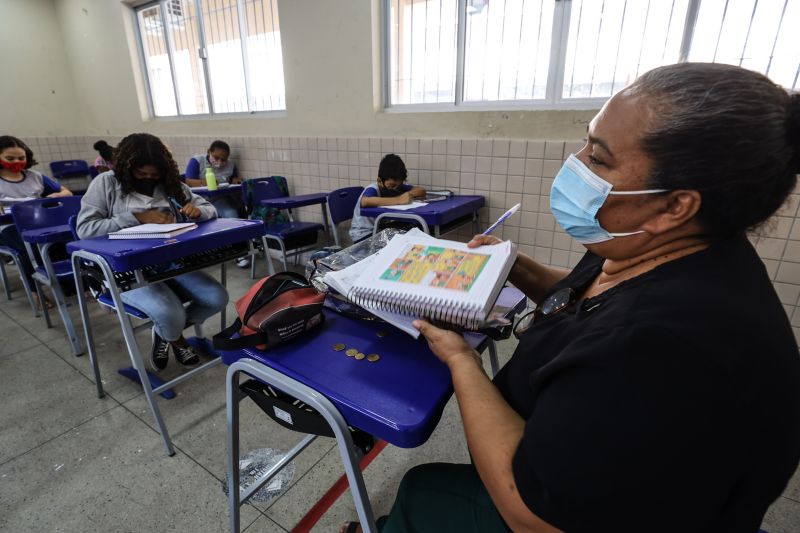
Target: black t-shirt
point(671, 402)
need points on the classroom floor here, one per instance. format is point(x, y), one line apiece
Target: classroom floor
point(70, 462)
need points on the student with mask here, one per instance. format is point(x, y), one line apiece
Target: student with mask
point(655, 386)
point(137, 191)
point(18, 180)
point(389, 189)
point(217, 158)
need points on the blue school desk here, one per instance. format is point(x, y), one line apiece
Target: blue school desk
point(398, 398)
point(291, 202)
point(127, 264)
point(443, 215)
point(232, 189)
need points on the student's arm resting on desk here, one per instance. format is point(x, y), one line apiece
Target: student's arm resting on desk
point(192, 173)
point(94, 219)
point(532, 278)
point(53, 189)
point(417, 191)
point(370, 198)
point(493, 429)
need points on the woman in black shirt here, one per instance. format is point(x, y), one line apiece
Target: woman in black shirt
point(657, 387)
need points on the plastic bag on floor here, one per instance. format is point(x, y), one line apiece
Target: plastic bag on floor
point(255, 464)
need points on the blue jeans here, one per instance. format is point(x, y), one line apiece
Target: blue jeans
point(163, 302)
point(226, 207)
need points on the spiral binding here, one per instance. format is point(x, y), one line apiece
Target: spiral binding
point(468, 316)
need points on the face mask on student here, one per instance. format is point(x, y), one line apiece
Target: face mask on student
point(386, 192)
point(13, 166)
point(576, 197)
point(146, 187)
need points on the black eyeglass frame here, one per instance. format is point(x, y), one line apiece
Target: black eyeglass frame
point(552, 305)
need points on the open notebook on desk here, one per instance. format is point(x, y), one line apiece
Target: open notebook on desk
point(153, 231)
point(416, 275)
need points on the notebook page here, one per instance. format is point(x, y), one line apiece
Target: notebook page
point(446, 272)
point(155, 228)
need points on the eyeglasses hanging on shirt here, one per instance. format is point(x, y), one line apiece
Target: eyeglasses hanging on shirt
point(552, 305)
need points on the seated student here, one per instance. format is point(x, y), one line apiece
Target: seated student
point(217, 158)
point(136, 192)
point(105, 161)
point(17, 180)
point(390, 189)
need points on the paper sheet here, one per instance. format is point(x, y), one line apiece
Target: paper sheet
point(405, 207)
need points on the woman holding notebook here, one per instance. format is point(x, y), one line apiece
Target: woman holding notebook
point(144, 188)
point(655, 387)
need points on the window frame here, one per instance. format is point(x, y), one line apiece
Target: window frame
point(555, 79)
point(211, 114)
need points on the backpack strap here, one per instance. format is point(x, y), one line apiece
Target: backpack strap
point(223, 340)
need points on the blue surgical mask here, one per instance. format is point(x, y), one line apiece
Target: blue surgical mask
point(576, 197)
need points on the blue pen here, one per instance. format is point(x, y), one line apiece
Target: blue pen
point(178, 207)
point(502, 219)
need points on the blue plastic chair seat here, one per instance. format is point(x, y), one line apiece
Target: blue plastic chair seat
point(106, 300)
point(63, 269)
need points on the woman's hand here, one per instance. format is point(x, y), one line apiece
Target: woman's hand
point(155, 216)
point(191, 211)
point(484, 240)
point(448, 345)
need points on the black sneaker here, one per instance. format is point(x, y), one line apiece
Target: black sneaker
point(159, 353)
point(186, 356)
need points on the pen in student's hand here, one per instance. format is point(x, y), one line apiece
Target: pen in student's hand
point(502, 219)
point(177, 207)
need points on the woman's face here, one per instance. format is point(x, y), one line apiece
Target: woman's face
point(613, 152)
point(146, 172)
point(13, 154)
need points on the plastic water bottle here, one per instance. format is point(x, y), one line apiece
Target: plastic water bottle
point(211, 179)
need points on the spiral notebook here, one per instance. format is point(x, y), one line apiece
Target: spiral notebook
point(153, 231)
point(420, 276)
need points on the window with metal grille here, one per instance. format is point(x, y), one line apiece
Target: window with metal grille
point(571, 53)
point(212, 56)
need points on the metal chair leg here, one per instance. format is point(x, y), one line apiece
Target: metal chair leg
point(4, 279)
point(43, 303)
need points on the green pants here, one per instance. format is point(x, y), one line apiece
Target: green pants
point(441, 497)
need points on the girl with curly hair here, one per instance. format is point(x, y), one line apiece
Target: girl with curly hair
point(138, 191)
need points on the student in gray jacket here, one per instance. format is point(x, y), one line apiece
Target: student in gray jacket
point(137, 191)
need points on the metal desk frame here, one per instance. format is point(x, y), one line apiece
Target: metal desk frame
point(129, 331)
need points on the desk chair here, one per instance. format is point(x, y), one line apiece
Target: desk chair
point(341, 204)
point(41, 214)
point(71, 169)
point(11, 253)
point(292, 237)
point(398, 399)
point(102, 295)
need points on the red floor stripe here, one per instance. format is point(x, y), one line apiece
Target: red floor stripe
point(336, 490)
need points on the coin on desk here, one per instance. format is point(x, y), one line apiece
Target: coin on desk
point(338, 347)
point(373, 357)
point(351, 352)
point(359, 356)
point(381, 333)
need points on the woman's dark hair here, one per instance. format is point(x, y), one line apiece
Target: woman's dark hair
point(729, 133)
point(105, 150)
point(221, 145)
point(140, 149)
point(392, 167)
point(8, 141)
